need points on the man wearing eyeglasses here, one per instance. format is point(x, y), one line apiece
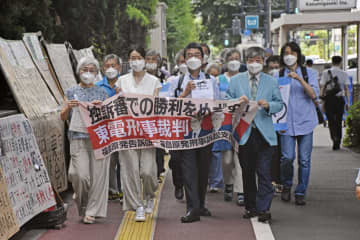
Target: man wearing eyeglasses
point(195, 162)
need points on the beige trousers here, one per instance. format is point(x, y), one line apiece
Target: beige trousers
point(113, 185)
point(232, 171)
point(89, 178)
point(137, 165)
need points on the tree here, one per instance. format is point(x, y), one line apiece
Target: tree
point(217, 16)
point(181, 26)
point(18, 16)
point(111, 26)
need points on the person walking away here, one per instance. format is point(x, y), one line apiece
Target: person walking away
point(334, 88)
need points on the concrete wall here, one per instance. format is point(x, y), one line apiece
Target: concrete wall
point(158, 40)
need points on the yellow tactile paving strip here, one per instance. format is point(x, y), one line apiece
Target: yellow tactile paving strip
point(131, 230)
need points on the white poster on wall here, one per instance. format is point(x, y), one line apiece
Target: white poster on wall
point(23, 168)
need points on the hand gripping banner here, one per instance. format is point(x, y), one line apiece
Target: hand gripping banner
point(132, 121)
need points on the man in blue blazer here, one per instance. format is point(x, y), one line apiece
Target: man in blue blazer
point(257, 144)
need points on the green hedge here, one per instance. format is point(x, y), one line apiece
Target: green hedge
point(352, 135)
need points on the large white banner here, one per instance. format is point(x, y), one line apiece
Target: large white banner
point(325, 5)
point(24, 171)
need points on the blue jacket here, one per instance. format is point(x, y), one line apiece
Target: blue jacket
point(268, 89)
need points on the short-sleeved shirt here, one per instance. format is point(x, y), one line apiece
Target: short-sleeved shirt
point(343, 79)
point(301, 116)
point(84, 95)
point(146, 86)
point(104, 83)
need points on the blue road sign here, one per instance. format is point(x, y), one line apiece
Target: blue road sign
point(247, 32)
point(252, 22)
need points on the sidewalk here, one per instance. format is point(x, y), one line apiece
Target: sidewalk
point(226, 223)
point(332, 211)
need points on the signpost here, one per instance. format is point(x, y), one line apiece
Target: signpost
point(252, 22)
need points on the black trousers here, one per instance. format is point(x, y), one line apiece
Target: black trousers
point(334, 110)
point(175, 165)
point(196, 166)
point(160, 153)
point(255, 159)
point(275, 163)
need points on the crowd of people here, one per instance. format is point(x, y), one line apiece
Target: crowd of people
point(262, 165)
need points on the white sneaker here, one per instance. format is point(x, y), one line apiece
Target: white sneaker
point(140, 214)
point(149, 206)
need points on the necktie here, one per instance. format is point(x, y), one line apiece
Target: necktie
point(253, 88)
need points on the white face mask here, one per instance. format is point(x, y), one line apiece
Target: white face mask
point(111, 73)
point(205, 59)
point(87, 78)
point(193, 63)
point(290, 60)
point(137, 65)
point(254, 68)
point(273, 72)
point(151, 66)
point(183, 68)
point(233, 65)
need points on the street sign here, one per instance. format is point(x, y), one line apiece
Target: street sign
point(247, 32)
point(325, 5)
point(252, 22)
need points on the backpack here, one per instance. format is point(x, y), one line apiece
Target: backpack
point(180, 82)
point(331, 87)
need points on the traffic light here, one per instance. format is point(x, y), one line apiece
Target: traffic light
point(226, 39)
point(309, 35)
point(236, 26)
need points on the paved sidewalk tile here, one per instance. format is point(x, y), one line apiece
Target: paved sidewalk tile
point(226, 222)
point(104, 229)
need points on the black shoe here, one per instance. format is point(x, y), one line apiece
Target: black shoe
point(300, 200)
point(191, 216)
point(228, 193)
point(240, 200)
point(249, 214)
point(286, 194)
point(336, 147)
point(179, 193)
point(204, 212)
point(264, 217)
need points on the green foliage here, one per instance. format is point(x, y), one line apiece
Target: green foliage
point(217, 17)
point(137, 15)
point(352, 136)
point(111, 26)
point(181, 26)
point(18, 16)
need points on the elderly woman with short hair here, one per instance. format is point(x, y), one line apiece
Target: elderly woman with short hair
point(89, 176)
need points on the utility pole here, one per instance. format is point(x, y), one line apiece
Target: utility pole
point(268, 32)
